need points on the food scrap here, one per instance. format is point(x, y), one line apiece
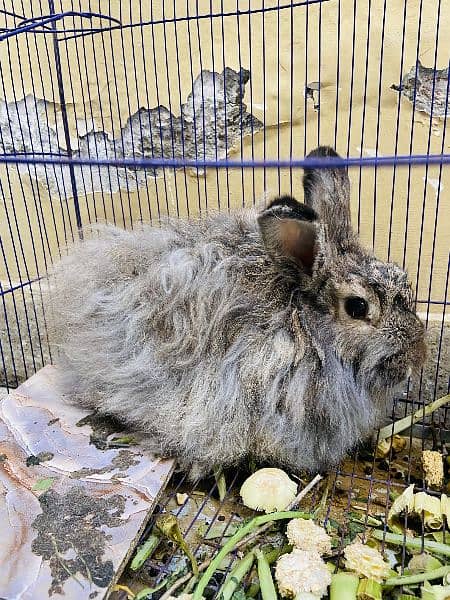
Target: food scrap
point(433, 468)
point(268, 490)
point(304, 534)
point(302, 571)
point(420, 505)
point(366, 561)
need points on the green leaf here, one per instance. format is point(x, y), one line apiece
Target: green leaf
point(355, 528)
point(332, 523)
point(42, 485)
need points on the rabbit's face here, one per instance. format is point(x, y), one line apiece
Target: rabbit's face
point(365, 305)
point(375, 326)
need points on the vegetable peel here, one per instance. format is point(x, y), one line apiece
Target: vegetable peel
point(430, 508)
point(410, 420)
point(427, 507)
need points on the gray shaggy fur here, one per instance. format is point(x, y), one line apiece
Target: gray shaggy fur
point(228, 337)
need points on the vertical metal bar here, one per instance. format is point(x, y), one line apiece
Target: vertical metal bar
point(397, 132)
point(216, 155)
point(352, 88)
point(224, 64)
point(169, 98)
point(203, 122)
point(377, 142)
point(319, 64)
point(264, 93)
point(363, 118)
point(278, 98)
point(338, 64)
point(180, 100)
point(305, 99)
point(411, 139)
point(119, 142)
point(251, 98)
point(241, 89)
point(291, 99)
point(62, 99)
point(194, 119)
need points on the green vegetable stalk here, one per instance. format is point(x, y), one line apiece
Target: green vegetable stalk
point(266, 583)
point(369, 589)
point(239, 535)
point(344, 586)
point(236, 575)
point(418, 578)
point(414, 543)
point(143, 552)
point(271, 556)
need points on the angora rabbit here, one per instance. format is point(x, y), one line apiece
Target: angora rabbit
point(273, 336)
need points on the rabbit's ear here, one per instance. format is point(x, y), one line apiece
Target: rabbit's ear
point(327, 191)
point(289, 233)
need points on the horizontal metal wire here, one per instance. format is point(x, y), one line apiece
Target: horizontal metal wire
point(152, 163)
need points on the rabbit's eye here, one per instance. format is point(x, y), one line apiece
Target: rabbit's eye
point(356, 307)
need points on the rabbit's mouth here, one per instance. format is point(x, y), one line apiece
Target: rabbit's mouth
point(399, 366)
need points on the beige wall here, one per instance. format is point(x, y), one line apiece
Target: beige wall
point(104, 84)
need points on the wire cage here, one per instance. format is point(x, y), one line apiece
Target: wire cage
point(129, 111)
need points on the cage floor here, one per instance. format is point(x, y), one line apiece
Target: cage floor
point(350, 499)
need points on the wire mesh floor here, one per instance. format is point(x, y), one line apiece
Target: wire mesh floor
point(349, 500)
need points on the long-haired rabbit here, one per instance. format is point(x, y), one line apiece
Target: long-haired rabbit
point(274, 336)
